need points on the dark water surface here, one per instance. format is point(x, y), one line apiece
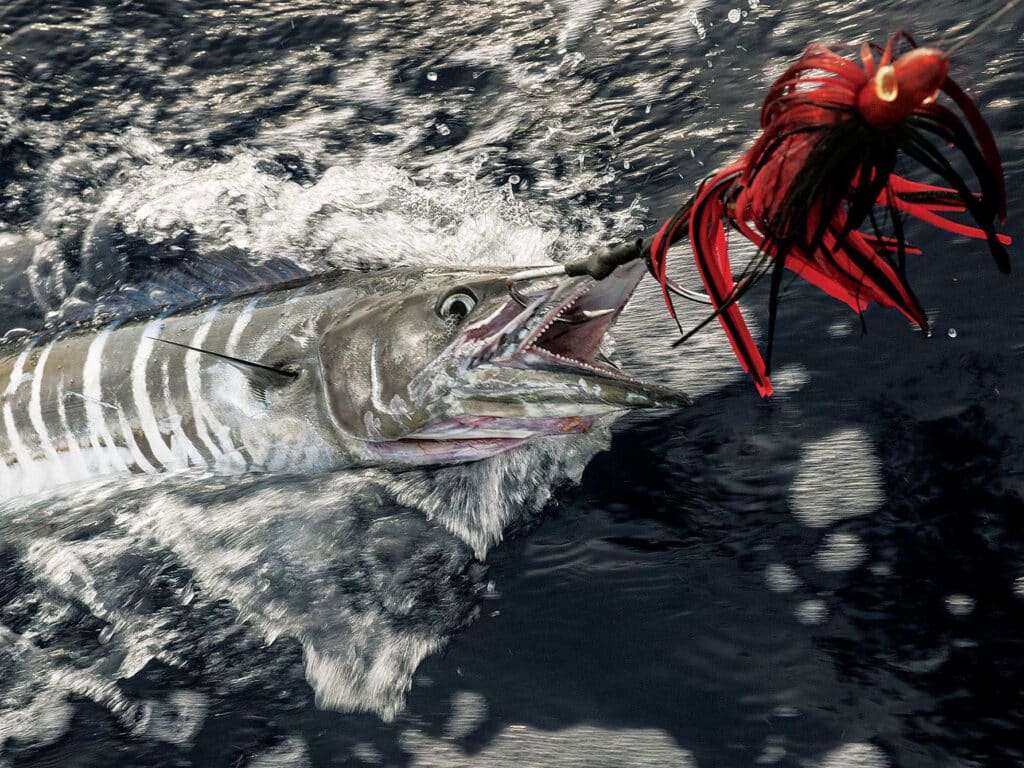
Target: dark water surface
point(832, 578)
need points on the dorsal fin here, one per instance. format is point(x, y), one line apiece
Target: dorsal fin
point(262, 376)
point(124, 276)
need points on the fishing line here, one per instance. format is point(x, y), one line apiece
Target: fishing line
point(984, 25)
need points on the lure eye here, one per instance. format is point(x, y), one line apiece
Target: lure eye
point(456, 306)
point(886, 87)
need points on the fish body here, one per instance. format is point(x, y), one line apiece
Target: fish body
point(398, 367)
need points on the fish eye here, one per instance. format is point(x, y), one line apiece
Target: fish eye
point(457, 305)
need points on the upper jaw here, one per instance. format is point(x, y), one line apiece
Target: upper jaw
point(554, 332)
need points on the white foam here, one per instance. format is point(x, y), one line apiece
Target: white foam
point(477, 501)
point(178, 719)
point(290, 753)
point(379, 686)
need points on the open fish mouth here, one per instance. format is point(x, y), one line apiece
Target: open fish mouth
point(551, 339)
point(564, 332)
point(534, 367)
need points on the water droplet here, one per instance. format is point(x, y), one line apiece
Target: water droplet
point(811, 612)
point(841, 552)
point(881, 570)
point(625, 164)
point(734, 15)
point(514, 179)
point(432, 77)
point(443, 129)
point(960, 605)
point(860, 754)
point(781, 578)
point(951, 333)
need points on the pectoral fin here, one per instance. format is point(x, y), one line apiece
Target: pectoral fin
point(261, 376)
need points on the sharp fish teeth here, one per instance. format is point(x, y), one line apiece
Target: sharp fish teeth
point(583, 316)
point(608, 372)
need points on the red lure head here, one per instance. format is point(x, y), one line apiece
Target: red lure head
point(897, 89)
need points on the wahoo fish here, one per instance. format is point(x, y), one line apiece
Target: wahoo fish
point(396, 367)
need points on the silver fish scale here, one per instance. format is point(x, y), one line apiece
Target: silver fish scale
point(79, 406)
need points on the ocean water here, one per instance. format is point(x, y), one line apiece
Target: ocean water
point(834, 577)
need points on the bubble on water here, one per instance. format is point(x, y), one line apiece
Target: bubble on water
point(817, 499)
point(367, 753)
point(179, 719)
point(811, 612)
point(857, 755)
point(625, 164)
point(960, 605)
point(881, 570)
point(785, 710)
point(752, 3)
point(469, 711)
point(774, 751)
point(951, 333)
point(734, 15)
point(443, 129)
point(781, 578)
point(839, 329)
point(514, 179)
point(292, 753)
point(432, 77)
point(841, 552)
point(790, 379)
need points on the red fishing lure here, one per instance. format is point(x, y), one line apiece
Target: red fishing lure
point(823, 165)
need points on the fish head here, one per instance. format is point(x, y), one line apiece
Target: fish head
point(459, 365)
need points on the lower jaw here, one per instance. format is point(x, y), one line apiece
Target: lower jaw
point(471, 438)
point(421, 453)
